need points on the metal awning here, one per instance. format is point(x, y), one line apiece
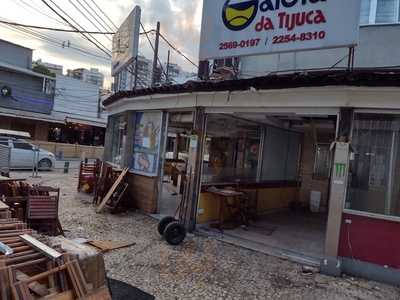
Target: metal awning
point(86, 122)
point(14, 133)
point(13, 113)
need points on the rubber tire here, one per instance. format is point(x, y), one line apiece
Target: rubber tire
point(48, 164)
point(175, 233)
point(164, 223)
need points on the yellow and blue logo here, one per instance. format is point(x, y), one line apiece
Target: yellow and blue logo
point(238, 14)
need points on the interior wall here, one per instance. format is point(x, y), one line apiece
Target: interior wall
point(281, 154)
point(309, 182)
point(268, 199)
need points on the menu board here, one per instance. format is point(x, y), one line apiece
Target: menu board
point(146, 148)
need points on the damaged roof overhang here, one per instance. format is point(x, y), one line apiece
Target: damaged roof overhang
point(358, 78)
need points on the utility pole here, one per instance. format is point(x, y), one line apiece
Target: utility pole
point(155, 60)
point(136, 72)
point(169, 54)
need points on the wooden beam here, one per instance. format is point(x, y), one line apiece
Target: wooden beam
point(39, 289)
point(46, 250)
point(112, 190)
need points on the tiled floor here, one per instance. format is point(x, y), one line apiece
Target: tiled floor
point(300, 232)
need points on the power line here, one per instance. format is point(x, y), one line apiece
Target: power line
point(178, 51)
point(115, 26)
point(85, 16)
point(64, 19)
point(98, 16)
point(54, 29)
point(154, 50)
point(42, 13)
point(52, 41)
point(90, 37)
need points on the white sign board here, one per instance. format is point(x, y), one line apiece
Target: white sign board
point(126, 41)
point(250, 27)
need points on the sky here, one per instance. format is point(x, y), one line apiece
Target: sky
point(180, 23)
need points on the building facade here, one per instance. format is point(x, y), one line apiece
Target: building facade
point(59, 109)
point(315, 152)
point(30, 99)
point(380, 23)
point(53, 68)
point(93, 76)
point(125, 80)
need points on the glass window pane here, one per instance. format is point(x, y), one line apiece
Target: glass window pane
point(386, 11)
point(375, 168)
point(232, 148)
point(323, 161)
point(22, 146)
point(365, 11)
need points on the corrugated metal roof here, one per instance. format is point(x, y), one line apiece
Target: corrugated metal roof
point(360, 77)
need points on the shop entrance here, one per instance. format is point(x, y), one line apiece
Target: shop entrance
point(265, 181)
point(180, 126)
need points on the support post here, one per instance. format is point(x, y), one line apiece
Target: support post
point(169, 54)
point(338, 191)
point(155, 59)
point(204, 70)
point(199, 129)
point(136, 72)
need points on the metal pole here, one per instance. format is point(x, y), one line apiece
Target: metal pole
point(155, 59)
point(136, 72)
point(169, 55)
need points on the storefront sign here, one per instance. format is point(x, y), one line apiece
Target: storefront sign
point(147, 143)
point(250, 27)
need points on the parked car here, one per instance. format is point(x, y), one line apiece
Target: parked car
point(22, 154)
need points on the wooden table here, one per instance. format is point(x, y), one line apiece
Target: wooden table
point(223, 196)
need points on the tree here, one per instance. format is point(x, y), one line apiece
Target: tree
point(43, 70)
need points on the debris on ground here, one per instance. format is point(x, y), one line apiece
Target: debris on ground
point(201, 268)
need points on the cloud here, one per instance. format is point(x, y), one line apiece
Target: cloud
point(180, 23)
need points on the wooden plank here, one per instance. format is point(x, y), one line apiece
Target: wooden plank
point(101, 294)
point(39, 289)
point(3, 206)
point(46, 250)
point(112, 190)
point(106, 246)
point(68, 295)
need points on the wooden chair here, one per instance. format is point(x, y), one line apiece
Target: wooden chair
point(89, 174)
point(42, 214)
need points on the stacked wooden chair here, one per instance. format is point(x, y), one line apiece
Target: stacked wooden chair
point(88, 176)
point(31, 270)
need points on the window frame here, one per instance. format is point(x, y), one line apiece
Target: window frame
point(330, 158)
point(350, 211)
point(373, 11)
point(22, 143)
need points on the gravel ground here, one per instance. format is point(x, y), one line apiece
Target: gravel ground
point(201, 268)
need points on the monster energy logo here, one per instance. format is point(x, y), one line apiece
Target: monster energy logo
point(340, 170)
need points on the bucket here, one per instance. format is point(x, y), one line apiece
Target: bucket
point(315, 201)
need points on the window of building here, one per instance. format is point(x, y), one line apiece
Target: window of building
point(118, 125)
point(380, 11)
point(374, 179)
point(323, 161)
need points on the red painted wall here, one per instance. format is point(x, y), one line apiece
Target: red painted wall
point(371, 240)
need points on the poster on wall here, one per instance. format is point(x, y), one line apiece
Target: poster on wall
point(146, 148)
point(232, 28)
